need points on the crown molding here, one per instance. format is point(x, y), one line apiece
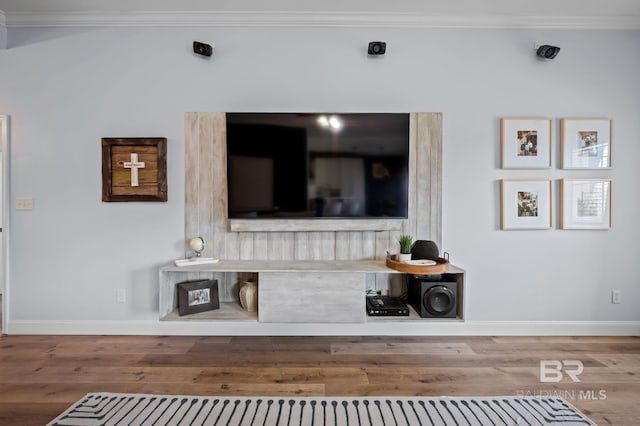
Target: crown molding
point(312, 19)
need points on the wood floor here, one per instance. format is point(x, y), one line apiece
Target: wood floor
point(40, 376)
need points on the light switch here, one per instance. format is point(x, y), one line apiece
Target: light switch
point(24, 203)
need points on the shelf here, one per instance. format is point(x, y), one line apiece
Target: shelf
point(367, 266)
point(289, 291)
point(319, 225)
point(229, 311)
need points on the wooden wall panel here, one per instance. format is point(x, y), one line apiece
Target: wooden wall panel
point(205, 209)
point(301, 246)
point(314, 245)
point(206, 202)
point(409, 225)
point(368, 245)
point(246, 245)
point(260, 246)
point(327, 245)
point(429, 177)
point(191, 179)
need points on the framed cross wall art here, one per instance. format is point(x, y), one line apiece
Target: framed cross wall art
point(525, 143)
point(134, 169)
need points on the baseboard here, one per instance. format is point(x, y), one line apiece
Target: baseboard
point(413, 328)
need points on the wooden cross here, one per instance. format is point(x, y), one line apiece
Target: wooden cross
point(134, 165)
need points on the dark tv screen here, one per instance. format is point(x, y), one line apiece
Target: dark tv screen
point(307, 166)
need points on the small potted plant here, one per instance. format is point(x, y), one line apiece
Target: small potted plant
point(406, 241)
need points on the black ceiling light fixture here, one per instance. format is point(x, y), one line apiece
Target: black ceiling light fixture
point(546, 51)
point(377, 48)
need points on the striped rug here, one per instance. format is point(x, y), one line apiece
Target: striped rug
point(138, 409)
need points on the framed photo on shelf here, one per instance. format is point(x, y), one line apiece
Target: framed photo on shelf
point(586, 143)
point(525, 204)
point(197, 296)
point(525, 143)
point(585, 204)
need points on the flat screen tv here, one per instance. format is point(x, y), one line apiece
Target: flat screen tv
point(311, 166)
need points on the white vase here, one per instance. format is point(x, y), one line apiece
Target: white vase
point(404, 257)
point(249, 296)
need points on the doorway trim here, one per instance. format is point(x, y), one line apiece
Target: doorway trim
point(6, 218)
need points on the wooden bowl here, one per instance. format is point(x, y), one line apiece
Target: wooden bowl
point(441, 266)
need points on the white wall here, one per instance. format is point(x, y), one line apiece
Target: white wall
point(67, 88)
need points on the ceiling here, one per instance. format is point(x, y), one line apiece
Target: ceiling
point(597, 14)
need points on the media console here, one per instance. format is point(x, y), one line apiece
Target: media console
point(324, 295)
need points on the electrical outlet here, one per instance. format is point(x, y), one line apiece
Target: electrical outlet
point(121, 295)
point(616, 296)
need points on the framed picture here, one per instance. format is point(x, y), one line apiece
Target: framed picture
point(525, 143)
point(585, 204)
point(134, 169)
point(197, 296)
point(586, 143)
point(525, 204)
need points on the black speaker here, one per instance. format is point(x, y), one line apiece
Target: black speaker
point(432, 298)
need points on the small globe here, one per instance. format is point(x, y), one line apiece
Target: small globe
point(197, 245)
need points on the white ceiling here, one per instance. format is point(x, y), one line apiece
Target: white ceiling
point(623, 14)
